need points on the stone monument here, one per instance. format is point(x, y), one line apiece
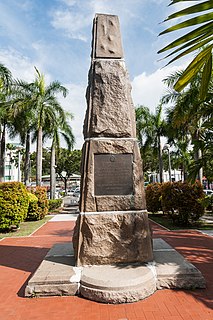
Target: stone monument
point(112, 226)
point(112, 257)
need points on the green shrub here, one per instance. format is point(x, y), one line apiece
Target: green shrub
point(182, 201)
point(54, 204)
point(13, 204)
point(153, 197)
point(32, 213)
point(41, 194)
point(207, 202)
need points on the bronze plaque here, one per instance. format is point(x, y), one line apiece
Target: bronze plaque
point(113, 174)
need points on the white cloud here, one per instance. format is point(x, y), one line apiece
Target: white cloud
point(71, 22)
point(75, 103)
point(69, 2)
point(23, 68)
point(78, 15)
point(147, 89)
point(19, 65)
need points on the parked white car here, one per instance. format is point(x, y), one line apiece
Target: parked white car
point(208, 192)
point(70, 192)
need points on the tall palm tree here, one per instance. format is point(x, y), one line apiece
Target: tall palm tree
point(5, 106)
point(150, 128)
point(24, 121)
point(178, 136)
point(194, 40)
point(46, 109)
point(187, 114)
point(53, 131)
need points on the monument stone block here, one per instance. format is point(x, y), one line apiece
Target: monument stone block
point(113, 225)
point(113, 258)
point(107, 35)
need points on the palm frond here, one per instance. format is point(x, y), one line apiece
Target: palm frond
point(191, 42)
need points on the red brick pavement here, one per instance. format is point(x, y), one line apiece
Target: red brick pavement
point(20, 257)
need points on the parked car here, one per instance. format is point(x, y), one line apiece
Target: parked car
point(71, 191)
point(208, 192)
point(57, 194)
point(76, 195)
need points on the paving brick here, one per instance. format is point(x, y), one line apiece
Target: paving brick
point(20, 257)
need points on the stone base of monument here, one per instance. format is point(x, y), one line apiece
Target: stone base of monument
point(119, 283)
point(56, 275)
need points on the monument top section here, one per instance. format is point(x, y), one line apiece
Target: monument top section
point(106, 41)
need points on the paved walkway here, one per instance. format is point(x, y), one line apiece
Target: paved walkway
point(20, 257)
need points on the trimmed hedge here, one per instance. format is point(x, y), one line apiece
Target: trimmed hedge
point(54, 204)
point(153, 197)
point(13, 204)
point(33, 207)
point(181, 200)
point(42, 204)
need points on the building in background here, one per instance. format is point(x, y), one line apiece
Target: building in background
point(13, 162)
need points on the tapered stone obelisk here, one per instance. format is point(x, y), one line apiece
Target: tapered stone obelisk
point(112, 238)
point(112, 226)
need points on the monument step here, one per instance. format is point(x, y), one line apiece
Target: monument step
point(121, 283)
point(69, 209)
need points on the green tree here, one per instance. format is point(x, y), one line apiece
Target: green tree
point(46, 108)
point(5, 110)
point(186, 117)
point(150, 128)
point(198, 38)
point(67, 164)
point(55, 130)
point(23, 121)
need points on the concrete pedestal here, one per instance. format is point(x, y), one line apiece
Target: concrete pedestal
point(118, 283)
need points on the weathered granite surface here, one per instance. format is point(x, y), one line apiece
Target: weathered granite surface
point(107, 39)
point(111, 112)
point(112, 227)
point(112, 284)
point(109, 238)
point(115, 283)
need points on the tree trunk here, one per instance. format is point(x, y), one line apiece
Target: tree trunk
point(197, 156)
point(160, 160)
point(185, 175)
point(200, 172)
point(39, 158)
point(52, 172)
point(2, 153)
point(27, 160)
point(65, 185)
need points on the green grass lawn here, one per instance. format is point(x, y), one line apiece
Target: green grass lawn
point(26, 228)
point(167, 222)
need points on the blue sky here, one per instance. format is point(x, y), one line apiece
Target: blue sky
point(55, 36)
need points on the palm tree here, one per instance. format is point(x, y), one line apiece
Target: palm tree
point(187, 114)
point(194, 40)
point(178, 136)
point(54, 130)
point(150, 127)
point(46, 109)
point(23, 121)
point(5, 105)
